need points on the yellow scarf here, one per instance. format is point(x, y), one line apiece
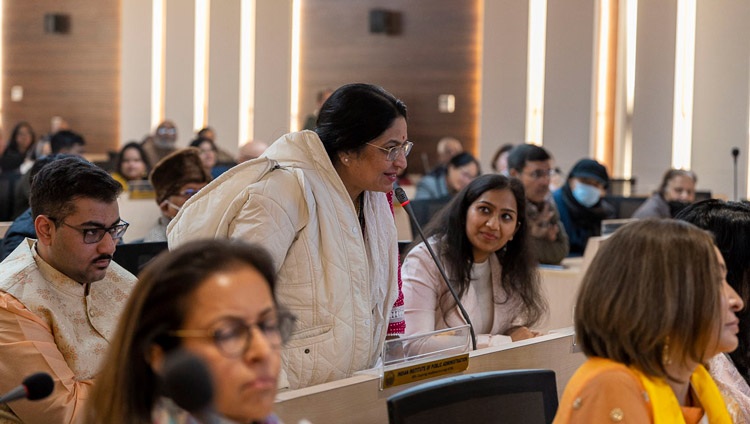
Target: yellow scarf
point(666, 408)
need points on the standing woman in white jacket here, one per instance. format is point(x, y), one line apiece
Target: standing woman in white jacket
point(317, 201)
point(481, 238)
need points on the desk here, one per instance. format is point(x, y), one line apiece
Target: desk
point(560, 286)
point(4, 225)
point(142, 214)
point(359, 399)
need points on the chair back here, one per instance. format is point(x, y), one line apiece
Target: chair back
point(509, 396)
point(425, 210)
point(135, 256)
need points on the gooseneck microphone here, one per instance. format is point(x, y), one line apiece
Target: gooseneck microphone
point(188, 382)
point(401, 196)
point(34, 387)
point(735, 153)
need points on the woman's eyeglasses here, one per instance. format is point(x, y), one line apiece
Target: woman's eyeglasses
point(233, 336)
point(393, 152)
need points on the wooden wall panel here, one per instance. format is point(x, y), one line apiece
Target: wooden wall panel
point(437, 52)
point(74, 75)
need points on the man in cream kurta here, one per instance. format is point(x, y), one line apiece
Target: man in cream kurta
point(61, 296)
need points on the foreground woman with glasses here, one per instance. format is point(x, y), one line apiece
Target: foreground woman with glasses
point(213, 299)
point(653, 307)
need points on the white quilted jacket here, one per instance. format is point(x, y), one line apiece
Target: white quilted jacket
point(339, 284)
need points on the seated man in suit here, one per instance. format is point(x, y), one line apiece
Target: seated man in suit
point(61, 295)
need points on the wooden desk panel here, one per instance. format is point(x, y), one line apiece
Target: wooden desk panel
point(4, 225)
point(560, 286)
point(359, 399)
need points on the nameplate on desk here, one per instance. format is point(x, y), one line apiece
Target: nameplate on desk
point(425, 370)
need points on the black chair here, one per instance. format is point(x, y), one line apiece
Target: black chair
point(702, 195)
point(134, 256)
point(424, 210)
point(624, 206)
point(511, 396)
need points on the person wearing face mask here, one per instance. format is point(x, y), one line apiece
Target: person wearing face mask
point(176, 178)
point(677, 190)
point(580, 204)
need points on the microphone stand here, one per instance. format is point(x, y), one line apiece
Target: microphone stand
point(401, 196)
point(735, 153)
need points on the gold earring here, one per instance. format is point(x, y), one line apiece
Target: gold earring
point(665, 359)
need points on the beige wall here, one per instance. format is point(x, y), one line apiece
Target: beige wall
point(101, 78)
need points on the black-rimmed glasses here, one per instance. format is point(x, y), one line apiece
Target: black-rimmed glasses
point(393, 152)
point(233, 336)
point(96, 234)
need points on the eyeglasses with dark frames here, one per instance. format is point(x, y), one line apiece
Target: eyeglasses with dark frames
point(96, 234)
point(233, 336)
point(393, 152)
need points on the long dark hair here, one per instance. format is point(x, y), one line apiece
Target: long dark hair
point(729, 222)
point(354, 115)
point(132, 145)
point(13, 144)
point(127, 388)
point(520, 277)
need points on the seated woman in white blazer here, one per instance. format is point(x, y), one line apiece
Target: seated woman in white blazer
point(481, 239)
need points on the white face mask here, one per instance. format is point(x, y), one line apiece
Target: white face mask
point(175, 207)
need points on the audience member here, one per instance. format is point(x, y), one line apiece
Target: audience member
point(251, 150)
point(224, 160)
point(580, 203)
point(729, 222)
point(211, 298)
point(175, 179)
point(460, 171)
point(336, 250)
point(67, 142)
point(208, 154)
point(500, 159)
point(14, 161)
point(161, 143)
point(57, 123)
point(481, 237)
point(63, 142)
point(206, 132)
point(653, 306)
point(23, 226)
point(320, 98)
point(61, 295)
point(22, 141)
point(677, 190)
point(533, 166)
point(132, 165)
point(448, 148)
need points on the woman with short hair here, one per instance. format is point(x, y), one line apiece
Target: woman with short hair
point(653, 306)
point(676, 191)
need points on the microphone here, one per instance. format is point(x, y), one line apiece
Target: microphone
point(405, 203)
point(188, 382)
point(34, 387)
point(735, 153)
